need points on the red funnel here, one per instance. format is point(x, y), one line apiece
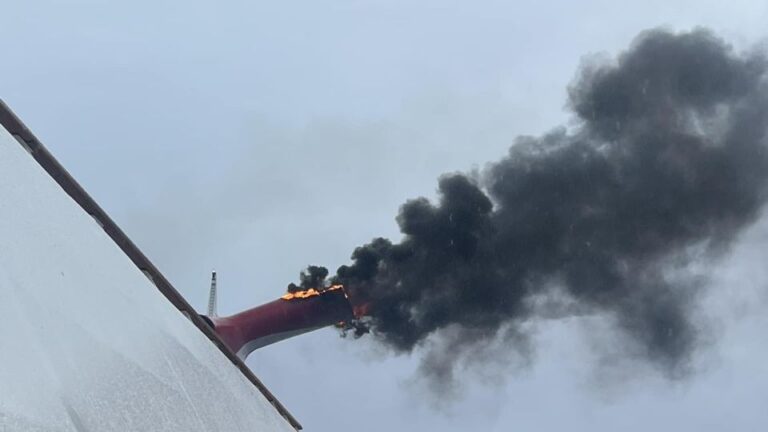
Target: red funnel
point(281, 319)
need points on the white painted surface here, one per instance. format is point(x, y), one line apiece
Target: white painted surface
point(87, 343)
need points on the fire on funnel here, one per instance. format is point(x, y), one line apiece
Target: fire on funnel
point(291, 315)
point(311, 293)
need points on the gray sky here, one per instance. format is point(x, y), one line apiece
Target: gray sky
point(259, 138)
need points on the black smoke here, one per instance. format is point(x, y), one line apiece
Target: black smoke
point(311, 277)
point(665, 164)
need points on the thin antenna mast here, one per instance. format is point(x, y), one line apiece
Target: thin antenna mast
point(212, 296)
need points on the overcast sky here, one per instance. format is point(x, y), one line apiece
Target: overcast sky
point(258, 138)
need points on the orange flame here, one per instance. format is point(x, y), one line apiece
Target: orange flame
point(358, 310)
point(311, 293)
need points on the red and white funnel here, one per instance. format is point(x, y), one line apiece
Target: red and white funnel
point(288, 316)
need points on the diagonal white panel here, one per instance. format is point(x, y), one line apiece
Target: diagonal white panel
point(87, 342)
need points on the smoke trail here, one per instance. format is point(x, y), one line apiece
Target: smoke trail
point(668, 156)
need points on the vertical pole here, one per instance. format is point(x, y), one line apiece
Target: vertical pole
point(212, 296)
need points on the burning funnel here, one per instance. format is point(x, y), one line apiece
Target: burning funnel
point(291, 315)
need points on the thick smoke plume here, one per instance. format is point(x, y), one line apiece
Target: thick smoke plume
point(666, 162)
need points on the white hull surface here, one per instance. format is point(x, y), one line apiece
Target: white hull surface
point(88, 343)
